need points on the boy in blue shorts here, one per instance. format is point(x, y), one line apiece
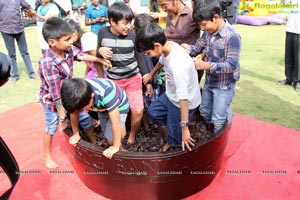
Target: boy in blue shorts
point(55, 66)
point(222, 46)
point(173, 109)
point(104, 97)
point(116, 43)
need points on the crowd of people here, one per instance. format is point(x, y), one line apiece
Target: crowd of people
point(133, 66)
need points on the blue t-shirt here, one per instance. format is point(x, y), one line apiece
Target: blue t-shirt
point(92, 13)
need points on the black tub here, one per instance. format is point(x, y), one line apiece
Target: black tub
point(144, 175)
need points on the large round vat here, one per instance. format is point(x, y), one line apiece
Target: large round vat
point(148, 175)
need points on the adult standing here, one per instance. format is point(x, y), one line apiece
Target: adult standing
point(96, 16)
point(12, 28)
point(180, 26)
point(292, 49)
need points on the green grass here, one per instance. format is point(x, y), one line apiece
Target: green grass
point(257, 94)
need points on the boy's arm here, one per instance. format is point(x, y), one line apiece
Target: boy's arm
point(186, 136)
point(74, 139)
point(141, 63)
point(231, 62)
point(62, 119)
point(114, 117)
point(98, 65)
point(103, 61)
point(149, 76)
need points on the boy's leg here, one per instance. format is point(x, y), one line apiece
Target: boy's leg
point(157, 113)
point(50, 129)
point(49, 162)
point(221, 105)
point(133, 89)
point(206, 105)
point(106, 127)
point(87, 125)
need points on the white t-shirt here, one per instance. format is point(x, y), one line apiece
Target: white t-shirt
point(293, 20)
point(181, 77)
point(88, 41)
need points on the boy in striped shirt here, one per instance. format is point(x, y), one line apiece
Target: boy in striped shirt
point(102, 96)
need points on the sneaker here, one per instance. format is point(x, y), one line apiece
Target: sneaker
point(284, 82)
point(13, 80)
point(33, 77)
point(297, 86)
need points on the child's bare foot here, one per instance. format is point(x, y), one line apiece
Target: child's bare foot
point(131, 139)
point(74, 139)
point(50, 163)
point(165, 148)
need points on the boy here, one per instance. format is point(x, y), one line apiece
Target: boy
point(102, 96)
point(116, 43)
point(55, 66)
point(173, 109)
point(96, 16)
point(222, 53)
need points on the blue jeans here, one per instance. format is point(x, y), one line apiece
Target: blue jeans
point(9, 40)
point(215, 106)
point(164, 113)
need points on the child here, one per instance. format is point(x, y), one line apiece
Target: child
point(173, 109)
point(96, 16)
point(86, 41)
point(116, 43)
point(104, 97)
point(55, 66)
point(159, 79)
point(222, 53)
point(44, 12)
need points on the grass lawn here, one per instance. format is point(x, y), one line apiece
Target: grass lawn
point(257, 94)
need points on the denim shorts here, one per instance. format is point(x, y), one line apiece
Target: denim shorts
point(51, 119)
point(106, 125)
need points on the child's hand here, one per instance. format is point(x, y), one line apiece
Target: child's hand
point(74, 139)
point(146, 78)
point(107, 63)
point(200, 64)
point(105, 52)
point(149, 90)
point(63, 125)
point(186, 139)
point(110, 151)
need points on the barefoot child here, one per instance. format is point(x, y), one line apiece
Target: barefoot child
point(104, 97)
point(173, 109)
point(55, 66)
point(116, 43)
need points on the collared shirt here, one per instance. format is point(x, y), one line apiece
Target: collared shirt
point(92, 13)
point(52, 71)
point(185, 30)
point(223, 53)
point(10, 16)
